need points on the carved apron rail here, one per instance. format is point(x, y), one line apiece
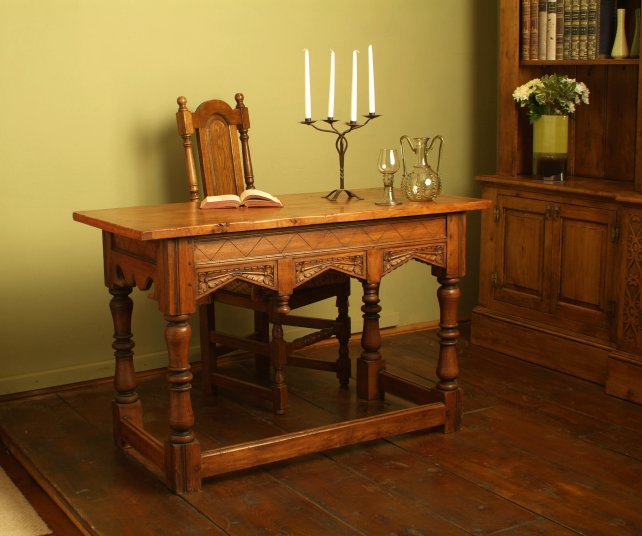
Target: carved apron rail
point(220, 260)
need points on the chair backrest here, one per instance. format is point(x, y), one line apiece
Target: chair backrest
point(219, 128)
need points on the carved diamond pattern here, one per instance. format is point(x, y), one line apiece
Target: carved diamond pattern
point(308, 241)
point(282, 242)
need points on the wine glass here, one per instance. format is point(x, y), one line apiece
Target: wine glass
point(388, 164)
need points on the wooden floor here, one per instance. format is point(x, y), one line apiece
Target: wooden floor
point(539, 453)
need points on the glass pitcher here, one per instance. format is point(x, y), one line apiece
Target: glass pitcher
point(421, 183)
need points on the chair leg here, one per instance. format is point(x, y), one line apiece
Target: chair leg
point(279, 357)
point(262, 333)
point(208, 349)
point(343, 361)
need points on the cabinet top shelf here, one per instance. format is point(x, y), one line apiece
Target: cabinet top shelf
point(598, 188)
point(599, 61)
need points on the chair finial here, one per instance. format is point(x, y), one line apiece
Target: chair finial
point(239, 100)
point(182, 103)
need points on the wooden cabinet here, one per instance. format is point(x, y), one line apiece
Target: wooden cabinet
point(543, 244)
point(561, 263)
point(547, 276)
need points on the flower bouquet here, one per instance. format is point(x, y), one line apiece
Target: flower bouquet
point(550, 100)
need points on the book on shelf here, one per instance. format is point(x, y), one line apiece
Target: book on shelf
point(583, 39)
point(247, 198)
point(606, 22)
point(591, 32)
point(568, 5)
point(542, 21)
point(567, 29)
point(575, 30)
point(526, 29)
point(534, 29)
point(551, 29)
point(559, 35)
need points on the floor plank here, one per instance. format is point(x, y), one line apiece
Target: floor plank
point(539, 453)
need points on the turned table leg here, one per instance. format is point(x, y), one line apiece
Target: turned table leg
point(370, 362)
point(448, 367)
point(183, 453)
point(126, 404)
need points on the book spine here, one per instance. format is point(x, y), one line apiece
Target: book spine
point(575, 30)
point(583, 42)
point(534, 29)
point(606, 28)
point(567, 29)
point(526, 29)
point(591, 33)
point(551, 28)
point(559, 36)
point(541, 22)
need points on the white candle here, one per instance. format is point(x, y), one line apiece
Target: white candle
point(371, 88)
point(331, 92)
point(308, 100)
point(353, 101)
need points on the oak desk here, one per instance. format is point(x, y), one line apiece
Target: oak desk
point(188, 253)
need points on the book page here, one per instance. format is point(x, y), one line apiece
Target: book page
point(221, 201)
point(258, 198)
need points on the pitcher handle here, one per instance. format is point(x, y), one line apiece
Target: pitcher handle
point(441, 144)
point(403, 156)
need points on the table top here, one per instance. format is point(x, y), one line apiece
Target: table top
point(175, 220)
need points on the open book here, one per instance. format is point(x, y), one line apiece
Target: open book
point(248, 198)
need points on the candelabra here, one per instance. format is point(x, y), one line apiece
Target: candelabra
point(342, 146)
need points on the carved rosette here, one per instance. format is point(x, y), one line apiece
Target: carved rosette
point(435, 254)
point(209, 280)
point(631, 309)
point(351, 265)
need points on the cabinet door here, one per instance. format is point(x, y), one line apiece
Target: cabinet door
point(523, 256)
point(583, 250)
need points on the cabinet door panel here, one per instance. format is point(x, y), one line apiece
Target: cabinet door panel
point(523, 253)
point(582, 285)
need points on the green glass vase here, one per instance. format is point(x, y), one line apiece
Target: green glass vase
point(550, 147)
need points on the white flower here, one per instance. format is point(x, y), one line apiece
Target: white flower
point(551, 94)
point(583, 92)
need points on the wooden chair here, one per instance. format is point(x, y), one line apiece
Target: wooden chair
point(225, 169)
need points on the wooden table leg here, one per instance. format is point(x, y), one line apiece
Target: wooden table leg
point(182, 450)
point(126, 404)
point(448, 367)
point(370, 362)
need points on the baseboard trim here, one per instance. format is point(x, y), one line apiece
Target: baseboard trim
point(28, 385)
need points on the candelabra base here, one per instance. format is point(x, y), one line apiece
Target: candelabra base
point(342, 146)
point(334, 194)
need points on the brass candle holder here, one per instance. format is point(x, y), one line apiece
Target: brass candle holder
point(342, 146)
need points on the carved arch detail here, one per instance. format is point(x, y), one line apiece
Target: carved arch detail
point(353, 265)
point(260, 274)
point(434, 254)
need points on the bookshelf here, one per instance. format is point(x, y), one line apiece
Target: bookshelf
point(605, 136)
point(560, 277)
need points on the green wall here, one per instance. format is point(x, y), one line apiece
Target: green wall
point(89, 94)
